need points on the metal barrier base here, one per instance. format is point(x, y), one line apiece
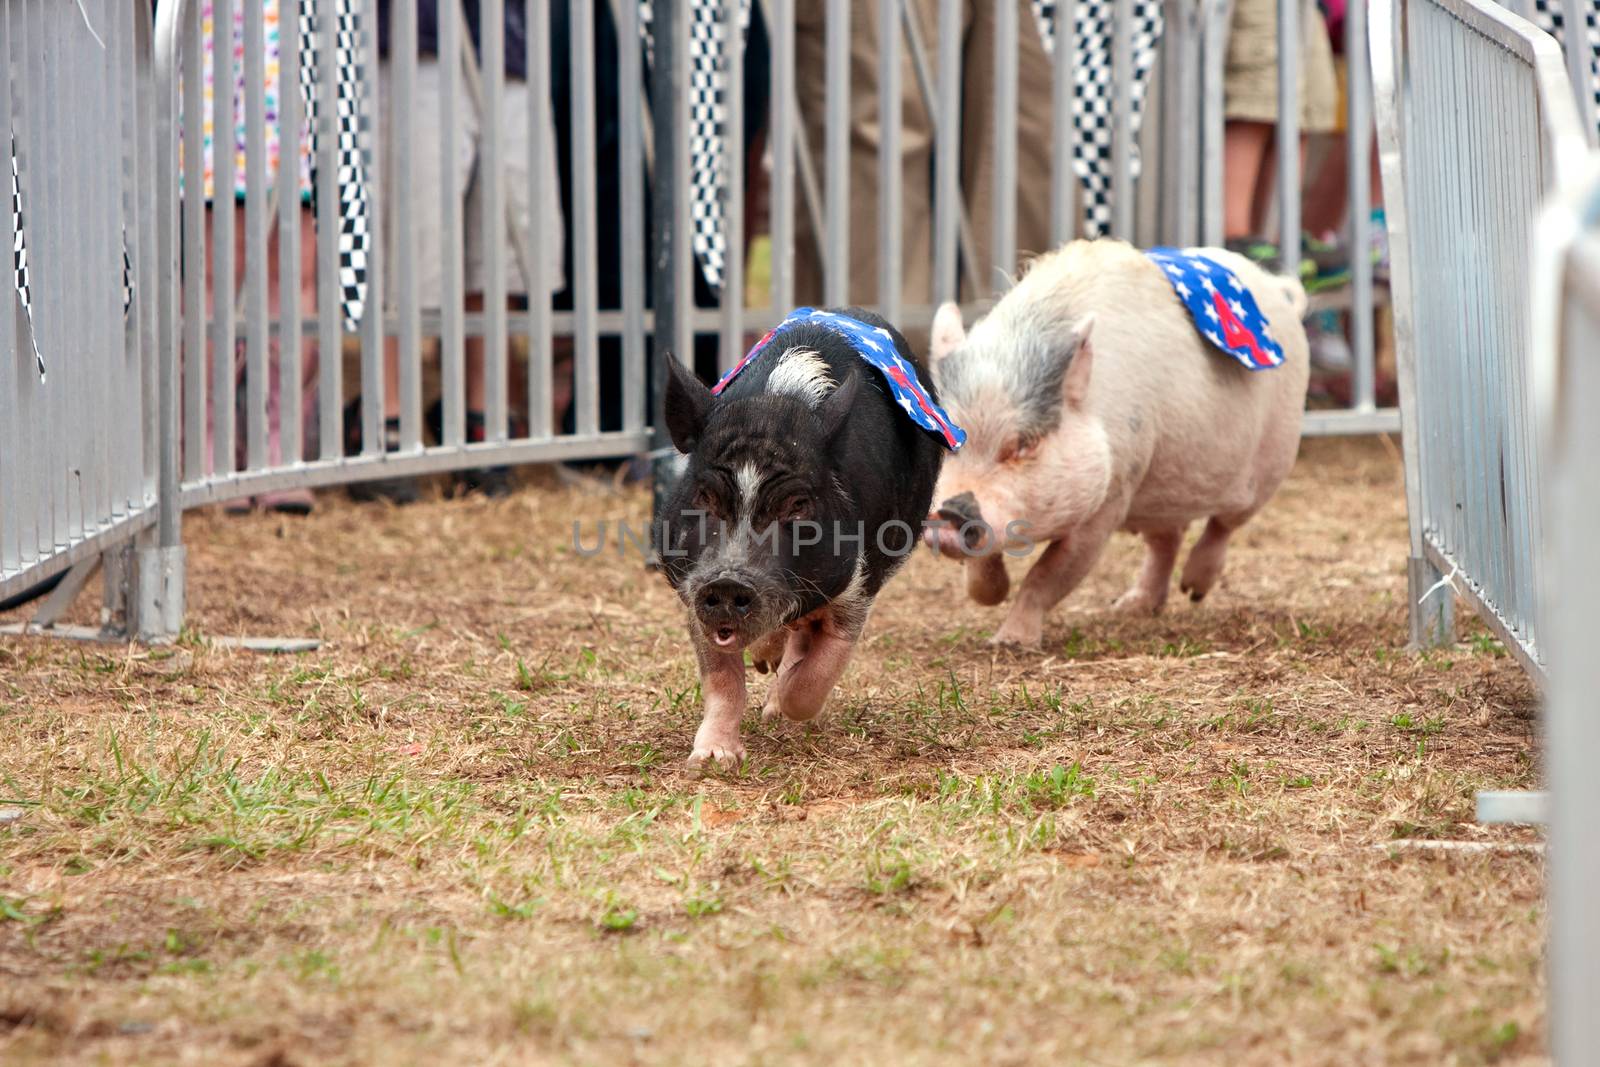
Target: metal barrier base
point(1337, 423)
point(1513, 807)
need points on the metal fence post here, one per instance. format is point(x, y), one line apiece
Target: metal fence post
point(669, 239)
point(157, 602)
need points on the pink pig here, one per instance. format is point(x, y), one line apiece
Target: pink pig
point(1091, 405)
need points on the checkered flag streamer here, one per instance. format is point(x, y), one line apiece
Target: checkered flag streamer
point(1550, 17)
point(127, 276)
point(353, 213)
point(1094, 89)
point(709, 35)
point(19, 256)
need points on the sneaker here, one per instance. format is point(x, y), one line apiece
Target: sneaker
point(398, 491)
point(1330, 263)
point(1266, 254)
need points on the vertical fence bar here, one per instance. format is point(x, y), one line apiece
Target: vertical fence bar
point(1122, 147)
point(14, 472)
point(399, 157)
point(947, 152)
point(148, 202)
point(1289, 134)
point(836, 155)
point(1572, 730)
point(122, 454)
point(1358, 121)
point(160, 281)
point(291, 127)
point(223, 331)
point(633, 236)
point(1004, 250)
point(540, 153)
point(1063, 183)
point(195, 458)
point(585, 259)
point(45, 264)
point(255, 235)
point(733, 200)
point(35, 493)
point(371, 327)
point(669, 220)
point(891, 247)
point(1212, 58)
point(330, 308)
point(1184, 73)
point(783, 118)
point(492, 221)
point(452, 327)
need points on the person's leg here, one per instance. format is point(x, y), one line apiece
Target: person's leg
point(1244, 150)
point(1250, 89)
point(916, 153)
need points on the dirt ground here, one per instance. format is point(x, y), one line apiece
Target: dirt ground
point(461, 832)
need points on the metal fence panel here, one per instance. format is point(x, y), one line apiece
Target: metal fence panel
point(1476, 122)
point(75, 476)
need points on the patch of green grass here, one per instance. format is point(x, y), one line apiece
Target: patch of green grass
point(615, 917)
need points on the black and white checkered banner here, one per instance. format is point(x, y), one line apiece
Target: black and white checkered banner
point(354, 214)
point(1550, 17)
point(1094, 91)
point(19, 257)
point(708, 120)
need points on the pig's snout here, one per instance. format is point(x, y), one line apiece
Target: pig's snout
point(723, 606)
point(961, 530)
point(960, 509)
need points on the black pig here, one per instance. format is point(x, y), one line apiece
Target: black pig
point(805, 490)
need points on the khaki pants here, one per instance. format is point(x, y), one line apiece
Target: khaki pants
point(916, 140)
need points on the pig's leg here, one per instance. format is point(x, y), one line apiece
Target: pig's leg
point(766, 654)
point(812, 666)
point(789, 660)
point(1149, 591)
point(1204, 565)
point(722, 684)
point(1057, 573)
point(987, 580)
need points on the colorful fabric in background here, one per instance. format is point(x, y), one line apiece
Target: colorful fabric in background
point(272, 42)
point(1221, 306)
point(875, 345)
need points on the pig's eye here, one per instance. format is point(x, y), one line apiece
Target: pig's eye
point(1017, 450)
point(705, 501)
point(795, 508)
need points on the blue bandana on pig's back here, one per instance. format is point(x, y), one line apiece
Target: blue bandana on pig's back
point(1222, 308)
point(875, 345)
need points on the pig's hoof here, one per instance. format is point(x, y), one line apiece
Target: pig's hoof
point(728, 756)
point(1195, 594)
point(1138, 602)
point(1015, 641)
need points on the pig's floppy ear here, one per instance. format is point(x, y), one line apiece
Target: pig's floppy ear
point(832, 411)
point(1079, 356)
point(948, 333)
point(688, 403)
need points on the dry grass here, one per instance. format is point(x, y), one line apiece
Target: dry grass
point(460, 832)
